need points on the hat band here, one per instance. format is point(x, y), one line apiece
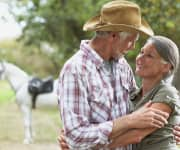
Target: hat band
point(103, 22)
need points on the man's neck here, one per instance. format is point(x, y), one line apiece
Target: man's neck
point(101, 47)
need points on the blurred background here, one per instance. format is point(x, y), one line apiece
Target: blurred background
point(40, 35)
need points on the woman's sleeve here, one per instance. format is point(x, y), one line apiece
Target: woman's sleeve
point(168, 95)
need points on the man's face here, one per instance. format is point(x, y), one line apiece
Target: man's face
point(124, 44)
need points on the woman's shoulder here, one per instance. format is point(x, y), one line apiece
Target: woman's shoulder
point(168, 94)
point(168, 89)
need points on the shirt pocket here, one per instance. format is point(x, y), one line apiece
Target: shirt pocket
point(100, 101)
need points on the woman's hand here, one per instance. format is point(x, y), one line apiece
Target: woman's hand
point(62, 141)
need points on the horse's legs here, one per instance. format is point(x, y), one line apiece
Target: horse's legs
point(26, 110)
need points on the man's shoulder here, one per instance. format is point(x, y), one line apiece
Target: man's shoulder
point(124, 65)
point(123, 61)
point(77, 62)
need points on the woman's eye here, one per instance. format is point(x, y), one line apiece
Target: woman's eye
point(150, 56)
point(141, 52)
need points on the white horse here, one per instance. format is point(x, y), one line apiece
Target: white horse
point(18, 80)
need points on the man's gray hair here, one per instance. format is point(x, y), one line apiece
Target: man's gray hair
point(167, 49)
point(123, 34)
point(102, 33)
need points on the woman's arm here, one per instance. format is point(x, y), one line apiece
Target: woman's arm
point(136, 135)
point(148, 116)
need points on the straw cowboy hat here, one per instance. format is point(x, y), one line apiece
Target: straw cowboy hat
point(119, 15)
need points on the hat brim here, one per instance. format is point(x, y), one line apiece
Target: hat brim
point(94, 24)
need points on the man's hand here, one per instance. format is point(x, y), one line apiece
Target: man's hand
point(147, 117)
point(62, 141)
point(176, 133)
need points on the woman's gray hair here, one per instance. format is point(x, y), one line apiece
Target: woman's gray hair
point(167, 49)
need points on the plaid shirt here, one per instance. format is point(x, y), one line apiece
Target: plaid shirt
point(90, 97)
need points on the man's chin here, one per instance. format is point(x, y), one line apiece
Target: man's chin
point(122, 54)
point(119, 56)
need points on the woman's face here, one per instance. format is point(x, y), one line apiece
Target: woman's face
point(149, 64)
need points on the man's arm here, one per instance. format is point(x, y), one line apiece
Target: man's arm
point(176, 132)
point(145, 115)
point(148, 116)
point(132, 136)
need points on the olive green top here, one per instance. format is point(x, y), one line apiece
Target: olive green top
point(161, 139)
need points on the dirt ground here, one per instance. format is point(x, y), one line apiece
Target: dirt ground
point(37, 146)
point(46, 125)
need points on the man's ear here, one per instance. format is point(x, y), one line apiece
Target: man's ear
point(113, 34)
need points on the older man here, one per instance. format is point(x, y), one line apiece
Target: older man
point(95, 83)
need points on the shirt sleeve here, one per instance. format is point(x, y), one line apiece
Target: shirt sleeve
point(75, 113)
point(168, 95)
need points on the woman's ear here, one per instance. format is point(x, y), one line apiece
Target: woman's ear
point(167, 68)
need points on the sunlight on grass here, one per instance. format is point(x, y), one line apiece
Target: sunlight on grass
point(12, 127)
point(6, 93)
point(46, 126)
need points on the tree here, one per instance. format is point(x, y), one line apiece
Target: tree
point(59, 23)
point(164, 19)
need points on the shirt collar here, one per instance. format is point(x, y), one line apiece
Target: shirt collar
point(138, 92)
point(91, 53)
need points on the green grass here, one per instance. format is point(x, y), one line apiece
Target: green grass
point(6, 93)
point(45, 122)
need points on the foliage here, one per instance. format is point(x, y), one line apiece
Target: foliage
point(28, 57)
point(59, 23)
point(163, 16)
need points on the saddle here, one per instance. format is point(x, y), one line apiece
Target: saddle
point(38, 86)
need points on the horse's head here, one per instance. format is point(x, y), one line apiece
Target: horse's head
point(2, 70)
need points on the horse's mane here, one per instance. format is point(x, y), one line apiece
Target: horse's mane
point(15, 70)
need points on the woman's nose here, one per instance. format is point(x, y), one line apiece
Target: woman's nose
point(139, 58)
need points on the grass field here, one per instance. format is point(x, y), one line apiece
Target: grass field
point(6, 94)
point(46, 124)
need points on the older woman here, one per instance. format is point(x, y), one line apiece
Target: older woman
point(155, 64)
